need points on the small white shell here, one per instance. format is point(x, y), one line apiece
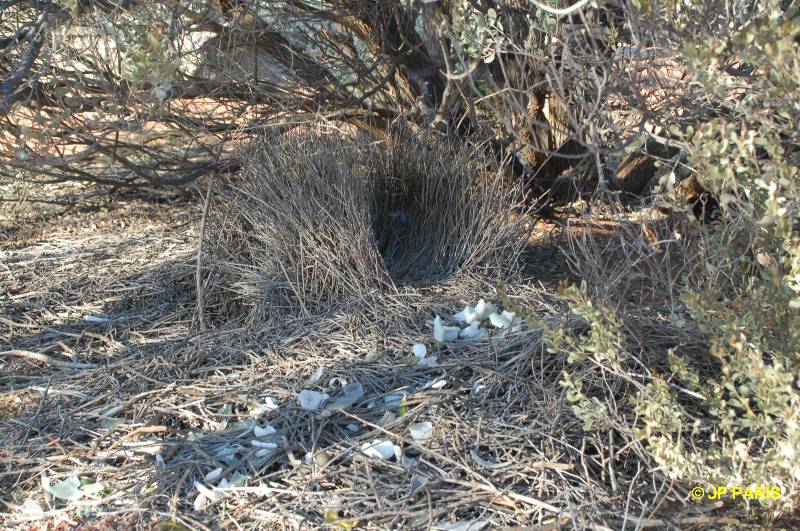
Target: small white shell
point(311, 400)
point(470, 314)
point(508, 315)
point(483, 309)
point(443, 333)
point(473, 331)
point(419, 350)
point(200, 503)
point(438, 384)
point(438, 330)
point(421, 431)
point(498, 321)
point(258, 431)
point(262, 444)
point(380, 449)
point(213, 475)
point(461, 316)
point(209, 493)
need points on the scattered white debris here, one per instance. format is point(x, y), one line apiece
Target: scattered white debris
point(266, 431)
point(438, 384)
point(428, 362)
point(257, 410)
point(421, 431)
point(200, 503)
point(443, 333)
point(68, 489)
point(262, 444)
point(474, 318)
point(382, 450)
point(213, 475)
point(420, 354)
point(467, 315)
point(419, 350)
point(483, 309)
point(350, 394)
point(473, 331)
point(311, 400)
point(209, 493)
point(499, 321)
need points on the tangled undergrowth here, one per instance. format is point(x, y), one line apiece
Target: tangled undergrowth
point(711, 392)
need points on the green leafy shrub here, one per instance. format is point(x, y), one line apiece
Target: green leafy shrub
point(729, 415)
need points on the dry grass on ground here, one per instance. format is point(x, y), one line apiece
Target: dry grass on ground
point(163, 404)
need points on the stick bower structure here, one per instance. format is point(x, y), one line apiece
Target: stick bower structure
point(319, 219)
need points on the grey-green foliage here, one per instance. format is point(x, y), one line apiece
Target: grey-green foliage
point(479, 34)
point(731, 416)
